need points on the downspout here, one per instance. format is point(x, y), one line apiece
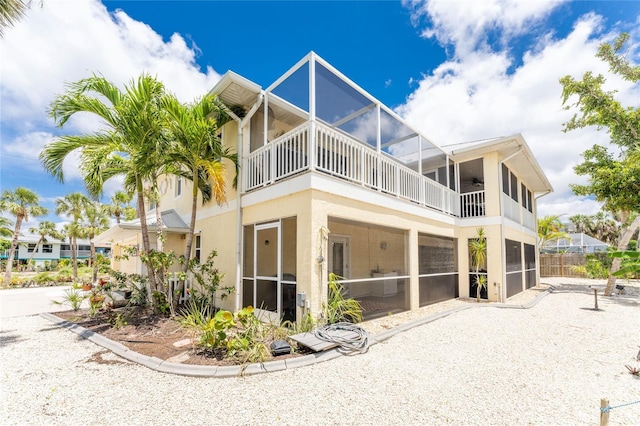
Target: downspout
point(503, 288)
point(241, 124)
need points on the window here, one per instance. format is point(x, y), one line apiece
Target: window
point(505, 180)
point(513, 251)
point(514, 187)
point(438, 266)
point(509, 183)
point(527, 199)
point(178, 186)
point(197, 248)
point(47, 248)
point(31, 248)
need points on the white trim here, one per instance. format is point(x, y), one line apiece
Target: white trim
point(328, 184)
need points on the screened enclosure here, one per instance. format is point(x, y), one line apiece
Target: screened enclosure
point(371, 262)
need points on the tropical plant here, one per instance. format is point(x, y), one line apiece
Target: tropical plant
point(21, 203)
point(120, 206)
point(614, 177)
point(211, 327)
point(197, 152)
point(73, 205)
point(549, 229)
point(73, 298)
point(208, 278)
point(45, 229)
point(478, 253)
point(240, 336)
point(128, 145)
point(629, 260)
point(95, 221)
point(305, 325)
point(338, 308)
point(5, 228)
point(10, 12)
point(44, 278)
point(594, 267)
point(600, 226)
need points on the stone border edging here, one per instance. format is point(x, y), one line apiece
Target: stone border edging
point(256, 368)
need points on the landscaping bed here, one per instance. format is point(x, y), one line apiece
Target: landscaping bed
point(142, 331)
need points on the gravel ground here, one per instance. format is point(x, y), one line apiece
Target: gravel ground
point(550, 364)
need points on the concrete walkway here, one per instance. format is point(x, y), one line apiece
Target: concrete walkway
point(18, 302)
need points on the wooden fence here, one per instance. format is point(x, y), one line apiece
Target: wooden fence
point(561, 264)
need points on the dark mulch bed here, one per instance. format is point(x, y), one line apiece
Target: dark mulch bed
point(150, 334)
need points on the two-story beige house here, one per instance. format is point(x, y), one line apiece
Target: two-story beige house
point(332, 180)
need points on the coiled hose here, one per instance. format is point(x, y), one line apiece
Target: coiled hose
point(331, 333)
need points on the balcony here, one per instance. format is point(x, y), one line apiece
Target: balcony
point(333, 152)
point(82, 254)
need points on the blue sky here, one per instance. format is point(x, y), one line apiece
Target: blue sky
point(456, 70)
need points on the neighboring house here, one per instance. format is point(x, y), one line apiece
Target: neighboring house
point(576, 242)
point(334, 181)
point(52, 250)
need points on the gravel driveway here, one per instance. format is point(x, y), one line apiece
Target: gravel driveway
point(550, 364)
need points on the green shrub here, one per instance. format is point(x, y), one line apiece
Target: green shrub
point(16, 281)
point(44, 278)
point(240, 336)
point(62, 263)
point(160, 303)
point(338, 308)
point(73, 298)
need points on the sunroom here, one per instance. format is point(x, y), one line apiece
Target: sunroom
point(314, 118)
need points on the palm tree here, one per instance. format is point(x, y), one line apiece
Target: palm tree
point(73, 231)
point(45, 229)
point(74, 205)
point(582, 222)
point(10, 12)
point(120, 206)
point(127, 146)
point(5, 227)
point(549, 229)
point(95, 221)
point(21, 203)
point(198, 153)
point(478, 252)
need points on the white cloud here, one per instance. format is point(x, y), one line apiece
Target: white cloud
point(468, 24)
point(64, 41)
point(26, 149)
point(473, 96)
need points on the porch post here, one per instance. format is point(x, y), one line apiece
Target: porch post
point(412, 297)
point(312, 112)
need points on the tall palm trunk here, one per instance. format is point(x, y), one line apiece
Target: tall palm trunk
point(145, 232)
point(192, 227)
point(623, 243)
point(74, 256)
point(94, 264)
point(192, 222)
point(33, 253)
point(12, 251)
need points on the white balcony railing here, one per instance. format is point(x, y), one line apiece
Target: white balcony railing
point(528, 220)
point(472, 204)
point(335, 153)
point(513, 210)
point(510, 208)
point(81, 253)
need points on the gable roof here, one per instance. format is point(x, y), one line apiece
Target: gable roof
point(171, 223)
point(515, 153)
